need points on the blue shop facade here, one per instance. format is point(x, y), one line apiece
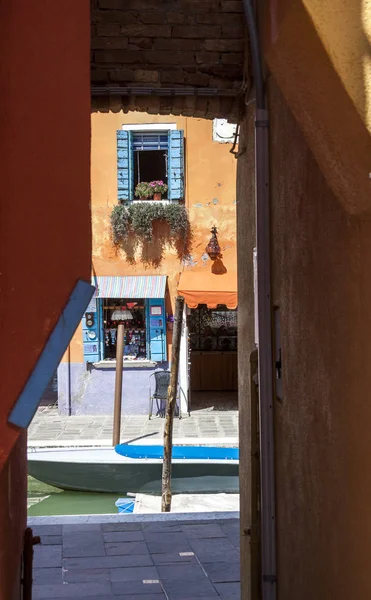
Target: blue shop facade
point(139, 303)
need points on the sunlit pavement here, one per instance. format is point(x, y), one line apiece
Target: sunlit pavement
point(208, 425)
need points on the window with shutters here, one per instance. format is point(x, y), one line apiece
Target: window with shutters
point(144, 156)
point(144, 327)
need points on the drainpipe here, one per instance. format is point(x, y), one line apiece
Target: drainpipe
point(262, 209)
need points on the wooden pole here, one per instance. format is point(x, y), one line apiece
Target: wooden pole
point(170, 407)
point(118, 384)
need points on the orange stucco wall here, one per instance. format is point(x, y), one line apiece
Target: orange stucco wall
point(44, 173)
point(210, 174)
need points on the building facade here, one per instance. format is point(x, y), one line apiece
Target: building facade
point(145, 250)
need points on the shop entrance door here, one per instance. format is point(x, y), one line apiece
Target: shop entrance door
point(213, 342)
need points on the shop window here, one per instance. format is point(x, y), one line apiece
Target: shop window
point(145, 329)
point(144, 156)
point(135, 341)
point(213, 329)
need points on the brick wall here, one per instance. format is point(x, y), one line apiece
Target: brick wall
point(148, 51)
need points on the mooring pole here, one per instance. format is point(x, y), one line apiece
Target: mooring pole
point(118, 384)
point(170, 406)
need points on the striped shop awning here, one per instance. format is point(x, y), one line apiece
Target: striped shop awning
point(140, 286)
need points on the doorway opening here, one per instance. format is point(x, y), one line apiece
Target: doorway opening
point(213, 358)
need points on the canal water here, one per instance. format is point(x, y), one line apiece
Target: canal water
point(44, 500)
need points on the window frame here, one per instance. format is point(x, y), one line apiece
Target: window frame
point(175, 160)
point(102, 301)
point(135, 150)
point(155, 334)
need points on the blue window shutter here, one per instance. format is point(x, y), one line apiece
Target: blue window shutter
point(101, 328)
point(91, 334)
point(176, 164)
point(156, 327)
point(125, 172)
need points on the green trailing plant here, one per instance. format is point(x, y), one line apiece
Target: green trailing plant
point(143, 190)
point(153, 225)
point(120, 224)
point(139, 219)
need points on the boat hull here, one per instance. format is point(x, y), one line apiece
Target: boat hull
point(96, 472)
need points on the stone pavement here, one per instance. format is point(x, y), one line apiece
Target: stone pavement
point(51, 429)
point(158, 560)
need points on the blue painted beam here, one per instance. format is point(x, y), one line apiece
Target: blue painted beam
point(27, 403)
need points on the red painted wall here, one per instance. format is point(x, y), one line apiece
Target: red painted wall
point(13, 492)
point(45, 197)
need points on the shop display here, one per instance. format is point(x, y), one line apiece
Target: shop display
point(213, 329)
point(135, 346)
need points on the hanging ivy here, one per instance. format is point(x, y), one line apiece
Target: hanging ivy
point(135, 223)
point(120, 224)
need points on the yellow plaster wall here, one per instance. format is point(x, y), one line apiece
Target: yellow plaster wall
point(210, 174)
point(318, 51)
point(344, 27)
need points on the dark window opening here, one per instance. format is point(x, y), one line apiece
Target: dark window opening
point(150, 157)
point(150, 166)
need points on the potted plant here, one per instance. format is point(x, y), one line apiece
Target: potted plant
point(143, 190)
point(170, 322)
point(159, 188)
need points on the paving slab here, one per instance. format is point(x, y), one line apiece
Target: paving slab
point(48, 556)
point(119, 548)
point(72, 590)
point(50, 575)
point(228, 591)
point(137, 588)
point(82, 544)
point(214, 550)
point(174, 557)
point(181, 572)
point(123, 536)
point(134, 574)
point(86, 575)
point(51, 540)
point(181, 590)
point(201, 531)
point(223, 572)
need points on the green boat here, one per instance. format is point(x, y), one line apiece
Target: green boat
point(133, 469)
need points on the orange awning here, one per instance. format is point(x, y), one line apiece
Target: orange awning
point(206, 288)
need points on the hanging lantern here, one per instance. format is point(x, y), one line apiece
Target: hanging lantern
point(122, 314)
point(213, 248)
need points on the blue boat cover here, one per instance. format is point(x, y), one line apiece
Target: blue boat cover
point(190, 452)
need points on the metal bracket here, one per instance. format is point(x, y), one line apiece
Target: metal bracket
point(270, 578)
point(262, 123)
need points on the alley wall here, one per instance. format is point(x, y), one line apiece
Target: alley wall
point(322, 287)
